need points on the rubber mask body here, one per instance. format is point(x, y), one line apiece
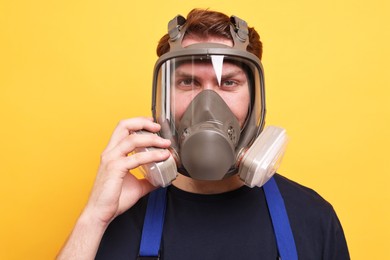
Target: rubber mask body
point(208, 135)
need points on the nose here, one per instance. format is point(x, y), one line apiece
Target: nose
point(211, 84)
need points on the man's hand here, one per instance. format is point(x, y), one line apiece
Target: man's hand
point(115, 190)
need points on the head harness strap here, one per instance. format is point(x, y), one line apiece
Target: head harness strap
point(175, 26)
point(238, 30)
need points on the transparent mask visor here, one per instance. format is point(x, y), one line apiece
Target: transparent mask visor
point(179, 80)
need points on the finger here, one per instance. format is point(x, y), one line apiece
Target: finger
point(125, 164)
point(132, 193)
point(131, 142)
point(138, 159)
point(146, 187)
point(127, 126)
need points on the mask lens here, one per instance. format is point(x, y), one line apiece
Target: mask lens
point(180, 80)
point(234, 80)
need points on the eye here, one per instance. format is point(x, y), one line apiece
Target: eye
point(229, 83)
point(186, 83)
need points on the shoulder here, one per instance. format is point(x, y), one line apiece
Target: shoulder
point(300, 196)
point(304, 205)
point(315, 225)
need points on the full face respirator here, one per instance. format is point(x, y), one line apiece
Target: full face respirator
point(210, 102)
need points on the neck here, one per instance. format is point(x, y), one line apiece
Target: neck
point(207, 187)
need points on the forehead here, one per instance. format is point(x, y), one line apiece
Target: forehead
point(193, 39)
point(203, 66)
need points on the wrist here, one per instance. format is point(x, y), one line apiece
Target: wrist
point(85, 238)
point(89, 220)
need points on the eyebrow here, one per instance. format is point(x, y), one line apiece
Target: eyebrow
point(230, 74)
point(233, 74)
point(178, 72)
point(182, 74)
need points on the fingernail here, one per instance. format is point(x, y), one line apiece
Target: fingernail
point(165, 152)
point(167, 141)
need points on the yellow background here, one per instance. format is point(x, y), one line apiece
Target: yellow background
point(70, 70)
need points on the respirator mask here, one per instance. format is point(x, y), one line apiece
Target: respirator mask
point(209, 100)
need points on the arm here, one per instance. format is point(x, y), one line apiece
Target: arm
point(115, 190)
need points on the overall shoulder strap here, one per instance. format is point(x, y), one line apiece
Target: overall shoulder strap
point(155, 213)
point(280, 221)
point(153, 225)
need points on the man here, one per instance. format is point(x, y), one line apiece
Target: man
point(209, 107)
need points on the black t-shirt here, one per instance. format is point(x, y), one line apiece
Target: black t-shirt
point(231, 225)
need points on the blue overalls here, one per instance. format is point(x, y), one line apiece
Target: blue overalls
point(155, 213)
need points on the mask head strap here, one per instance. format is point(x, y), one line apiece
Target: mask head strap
point(238, 29)
point(175, 26)
point(176, 31)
